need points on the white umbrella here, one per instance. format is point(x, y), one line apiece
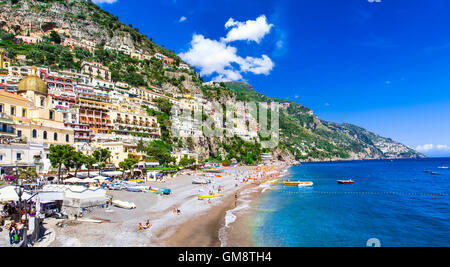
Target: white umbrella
point(100, 178)
point(9, 194)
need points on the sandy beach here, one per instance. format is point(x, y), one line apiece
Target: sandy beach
point(202, 223)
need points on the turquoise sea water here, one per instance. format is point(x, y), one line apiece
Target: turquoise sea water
point(395, 202)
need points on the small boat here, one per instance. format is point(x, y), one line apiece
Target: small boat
point(124, 204)
point(200, 181)
point(134, 189)
point(290, 183)
point(345, 181)
point(152, 189)
point(305, 184)
point(166, 191)
point(443, 167)
point(210, 196)
point(427, 171)
point(435, 173)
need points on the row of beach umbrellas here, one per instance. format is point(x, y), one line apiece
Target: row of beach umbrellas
point(87, 180)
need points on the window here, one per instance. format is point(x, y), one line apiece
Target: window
point(34, 134)
point(42, 101)
point(19, 133)
point(13, 110)
point(55, 137)
point(24, 112)
point(19, 156)
point(1, 157)
point(45, 135)
point(1, 108)
point(67, 138)
point(51, 115)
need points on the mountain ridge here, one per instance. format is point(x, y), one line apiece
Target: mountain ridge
point(303, 136)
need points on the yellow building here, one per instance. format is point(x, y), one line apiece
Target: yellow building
point(31, 111)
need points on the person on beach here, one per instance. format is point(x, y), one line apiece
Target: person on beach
point(12, 233)
point(178, 212)
point(20, 228)
point(140, 227)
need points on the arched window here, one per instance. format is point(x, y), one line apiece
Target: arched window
point(34, 134)
point(45, 135)
point(67, 138)
point(55, 137)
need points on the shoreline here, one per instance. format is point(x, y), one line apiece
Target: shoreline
point(216, 230)
point(203, 223)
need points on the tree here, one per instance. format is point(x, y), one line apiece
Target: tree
point(54, 37)
point(102, 156)
point(128, 164)
point(60, 155)
point(77, 160)
point(185, 161)
point(89, 163)
point(160, 151)
point(28, 174)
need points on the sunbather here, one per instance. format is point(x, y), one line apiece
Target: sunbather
point(140, 227)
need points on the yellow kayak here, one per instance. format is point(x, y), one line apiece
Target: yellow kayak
point(211, 196)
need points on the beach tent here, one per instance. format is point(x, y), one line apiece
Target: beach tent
point(101, 178)
point(78, 198)
point(73, 181)
point(89, 180)
point(9, 194)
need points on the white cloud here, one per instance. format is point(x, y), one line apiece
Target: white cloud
point(261, 65)
point(215, 57)
point(431, 147)
point(251, 30)
point(183, 18)
point(99, 2)
point(219, 58)
point(212, 57)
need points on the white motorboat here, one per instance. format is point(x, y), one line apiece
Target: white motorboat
point(305, 184)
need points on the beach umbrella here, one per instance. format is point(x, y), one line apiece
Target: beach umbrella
point(9, 194)
point(73, 180)
point(100, 178)
point(89, 180)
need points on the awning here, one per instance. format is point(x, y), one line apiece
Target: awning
point(9, 194)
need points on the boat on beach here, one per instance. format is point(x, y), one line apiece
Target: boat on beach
point(124, 204)
point(346, 181)
point(200, 181)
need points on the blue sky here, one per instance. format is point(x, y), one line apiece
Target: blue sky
point(384, 66)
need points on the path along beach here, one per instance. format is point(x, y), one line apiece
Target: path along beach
point(202, 223)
